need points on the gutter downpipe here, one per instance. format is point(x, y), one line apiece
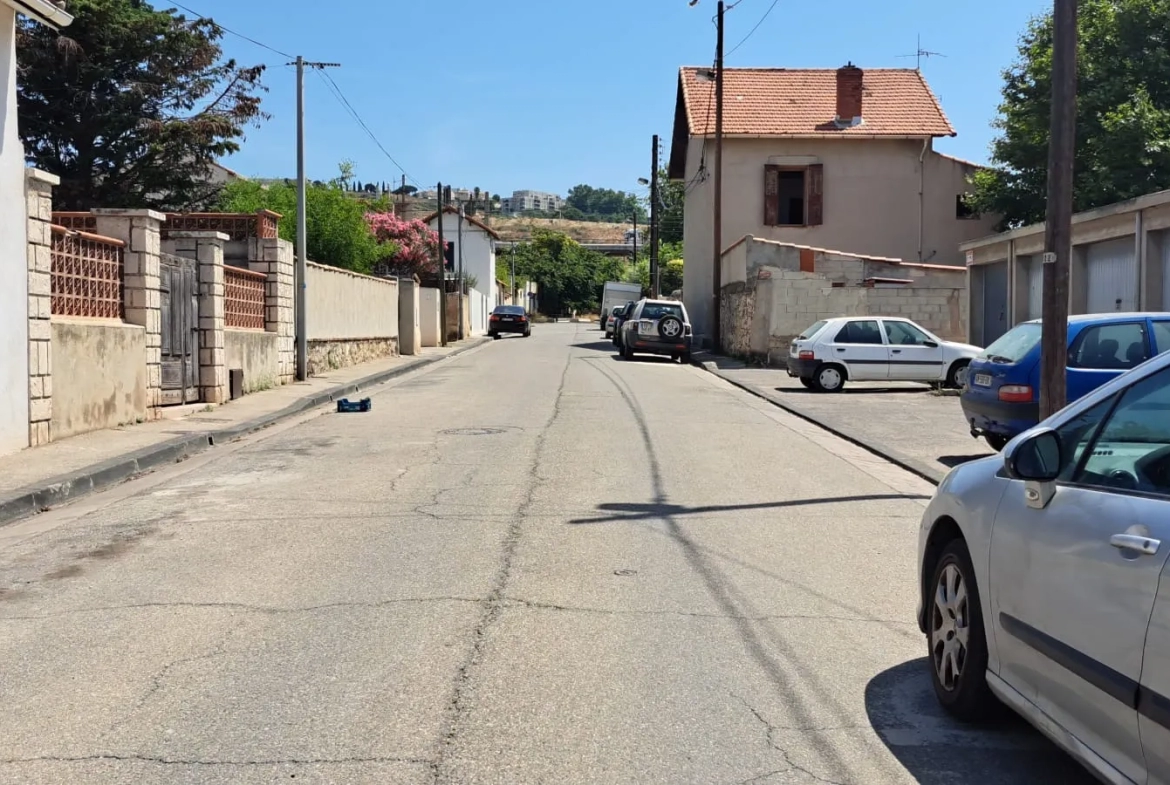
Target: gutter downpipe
point(922, 196)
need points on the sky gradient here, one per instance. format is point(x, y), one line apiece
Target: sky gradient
point(545, 94)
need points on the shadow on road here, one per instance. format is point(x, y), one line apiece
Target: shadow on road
point(934, 748)
point(857, 391)
point(643, 512)
point(951, 461)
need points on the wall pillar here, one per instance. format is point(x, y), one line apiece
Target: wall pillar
point(274, 258)
point(39, 199)
point(141, 231)
point(409, 321)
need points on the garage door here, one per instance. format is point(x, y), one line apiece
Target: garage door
point(1111, 276)
point(1165, 304)
point(1034, 280)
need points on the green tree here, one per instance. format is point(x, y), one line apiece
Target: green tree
point(604, 204)
point(338, 233)
point(130, 106)
point(570, 277)
point(1123, 113)
point(672, 196)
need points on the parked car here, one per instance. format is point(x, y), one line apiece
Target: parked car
point(1043, 579)
point(657, 327)
point(509, 319)
point(873, 348)
point(620, 319)
point(611, 320)
point(1002, 396)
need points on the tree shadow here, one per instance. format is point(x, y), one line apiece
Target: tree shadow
point(643, 512)
point(951, 461)
point(935, 748)
point(854, 390)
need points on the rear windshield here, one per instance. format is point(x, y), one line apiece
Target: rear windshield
point(658, 310)
point(811, 332)
point(1014, 345)
point(511, 310)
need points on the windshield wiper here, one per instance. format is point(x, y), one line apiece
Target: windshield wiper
point(999, 358)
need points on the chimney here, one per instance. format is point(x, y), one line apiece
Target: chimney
point(849, 95)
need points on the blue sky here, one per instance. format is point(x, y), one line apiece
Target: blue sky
point(545, 94)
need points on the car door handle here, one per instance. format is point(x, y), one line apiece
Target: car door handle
point(1134, 542)
point(896, 351)
point(840, 350)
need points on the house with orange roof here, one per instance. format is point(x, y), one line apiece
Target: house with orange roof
point(841, 159)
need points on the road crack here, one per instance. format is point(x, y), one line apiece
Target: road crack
point(244, 607)
point(516, 602)
point(771, 731)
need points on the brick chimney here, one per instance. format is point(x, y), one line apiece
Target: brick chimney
point(849, 95)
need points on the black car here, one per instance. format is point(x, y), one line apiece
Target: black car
point(509, 319)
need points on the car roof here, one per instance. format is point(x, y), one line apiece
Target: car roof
point(648, 301)
point(1100, 318)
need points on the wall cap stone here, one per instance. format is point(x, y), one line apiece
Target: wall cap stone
point(119, 212)
point(190, 235)
point(41, 176)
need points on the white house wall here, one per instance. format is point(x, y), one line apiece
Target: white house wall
point(13, 254)
point(479, 254)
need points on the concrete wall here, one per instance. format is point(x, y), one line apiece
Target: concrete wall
point(99, 375)
point(872, 204)
point(14, 413)
point(453, 314)
point(352, 318)
point(257, 354)
point(428, 316)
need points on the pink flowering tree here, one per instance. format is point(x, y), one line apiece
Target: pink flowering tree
point(412, 245)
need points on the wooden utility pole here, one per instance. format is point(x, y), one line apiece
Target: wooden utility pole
point(1058, 229)
point(654, 220)
point(717, 229)
point(442, 274)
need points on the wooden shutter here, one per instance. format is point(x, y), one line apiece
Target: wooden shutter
point(771, 195)
point(816, 194)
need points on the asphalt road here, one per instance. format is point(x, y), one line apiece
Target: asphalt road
point(534, 563)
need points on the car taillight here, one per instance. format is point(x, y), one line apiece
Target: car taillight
point(495, 318)
point(1015, 393)
point(805, 354)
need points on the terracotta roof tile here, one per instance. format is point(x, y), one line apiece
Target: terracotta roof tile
point(790, 102)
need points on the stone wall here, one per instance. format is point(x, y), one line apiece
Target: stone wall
point(331, 355)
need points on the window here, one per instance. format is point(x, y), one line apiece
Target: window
point(866, 332)
point(1132, 452)
point(509, 310)
point(906, 334)
point(963, 209)
point(658, 310)
point(1162, 336)
point(1115, 347)
point(1076, 434)
point(812, 331)
point(794, 195)
point(1014, 345)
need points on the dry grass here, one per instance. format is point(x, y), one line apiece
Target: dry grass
point(582, 231)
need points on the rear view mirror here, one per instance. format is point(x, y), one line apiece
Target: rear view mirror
point(1035, 459)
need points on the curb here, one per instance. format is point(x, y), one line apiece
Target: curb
point(912, 465)
point(99, 476)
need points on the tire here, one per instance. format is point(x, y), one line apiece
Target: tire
point(996, 441)
point(627, 354)
point(670, 328)
point(685, 357)
point(957, 375)
point(829, 379)
point(495, 336)
point(956, 642)
point(528, 333)
point(807, 383)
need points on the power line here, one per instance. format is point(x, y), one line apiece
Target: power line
point(200, 16)
point(754, 29)
point(340, 96)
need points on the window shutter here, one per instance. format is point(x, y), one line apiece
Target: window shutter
point(771, 195)
point(816, 194)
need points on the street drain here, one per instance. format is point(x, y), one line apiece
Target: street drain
point(473, 431)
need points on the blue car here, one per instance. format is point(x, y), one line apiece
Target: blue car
point(1001, 398)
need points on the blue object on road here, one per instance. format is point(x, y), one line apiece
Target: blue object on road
point(345, 405)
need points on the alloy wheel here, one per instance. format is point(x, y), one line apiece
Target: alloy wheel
point(950, 627)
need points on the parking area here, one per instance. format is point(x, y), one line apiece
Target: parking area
point(911, 424)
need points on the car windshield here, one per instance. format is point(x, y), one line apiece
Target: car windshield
point(509, 310)
point(658, 310)
point(1014, 345)
point(811, 332)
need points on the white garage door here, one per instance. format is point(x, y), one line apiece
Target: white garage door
point(1112, 276)
point(1035, 283)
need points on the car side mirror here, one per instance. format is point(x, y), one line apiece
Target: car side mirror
point(1036, 458)
point(930, 344)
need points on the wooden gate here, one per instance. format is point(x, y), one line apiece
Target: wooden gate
point(180, 330)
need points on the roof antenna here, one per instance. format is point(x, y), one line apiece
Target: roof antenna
point(921, 53)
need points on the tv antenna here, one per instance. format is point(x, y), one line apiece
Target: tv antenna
point(921, 53)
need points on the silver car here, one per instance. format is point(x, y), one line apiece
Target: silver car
point(1044, 584)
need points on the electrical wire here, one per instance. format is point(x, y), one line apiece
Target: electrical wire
point(340, 96)
point(262, 45)
point(754, 29)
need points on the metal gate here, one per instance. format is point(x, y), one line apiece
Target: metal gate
point(995, 301)
point(1112, 276)
point(180, 330)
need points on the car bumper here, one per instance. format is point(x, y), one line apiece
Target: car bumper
point(648, 344)
point(999, 417)
point(509, 327)
point(804, 369)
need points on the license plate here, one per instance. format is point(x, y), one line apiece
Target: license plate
point(646, 329)
point(983, 379)
point(509, 319)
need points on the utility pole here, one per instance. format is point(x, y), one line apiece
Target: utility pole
point(514, 297)
point(459, 237)
point(302, 321)
point(442, 273)
point(1058, 230)
point(654, 220)
point(635, 256)
point(717, 230)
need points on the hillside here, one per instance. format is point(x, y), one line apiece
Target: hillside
point(582, 231)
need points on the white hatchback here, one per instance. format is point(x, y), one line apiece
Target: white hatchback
point(875, 348)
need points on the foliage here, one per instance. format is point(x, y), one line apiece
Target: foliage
point(415, 245)
point(670, 209)
point(604, 204)
point(1123, 113)
point(570, 277)
point(670, 275)
point(130, 106)
point(338, 233)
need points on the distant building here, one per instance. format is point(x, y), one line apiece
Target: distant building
point(525, 201)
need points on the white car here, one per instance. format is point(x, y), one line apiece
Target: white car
point(875, 349)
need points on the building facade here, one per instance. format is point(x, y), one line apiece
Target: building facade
point(479, 261)
point(525, 201)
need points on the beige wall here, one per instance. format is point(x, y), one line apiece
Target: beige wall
point(99, 375)
point(871, 204)
point(346, 306)
point(428, 310)
point(257, 353)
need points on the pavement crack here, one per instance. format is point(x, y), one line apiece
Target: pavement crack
point(771, 731)
point(522, 603)
point(244, 607)
point(162, 761)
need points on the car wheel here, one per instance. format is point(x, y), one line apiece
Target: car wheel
point(528, 333)
point(829, 378)
point(807, 383)
point(494, 336)
point(685, 357)
point(670, 328)
point(627, 353)
point(957, 375)
point(996, 441)
point(956, 640)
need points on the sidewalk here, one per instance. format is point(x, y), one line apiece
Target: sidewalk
point(903, 422)
point(40, 477)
